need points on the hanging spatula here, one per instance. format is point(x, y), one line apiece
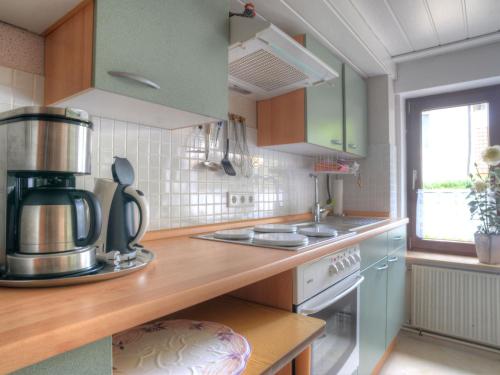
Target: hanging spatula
point(226, 164)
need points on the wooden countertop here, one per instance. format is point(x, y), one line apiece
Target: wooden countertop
point(39, 323)
point(263, 327)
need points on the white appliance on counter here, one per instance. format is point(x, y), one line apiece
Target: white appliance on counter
point(328, 289)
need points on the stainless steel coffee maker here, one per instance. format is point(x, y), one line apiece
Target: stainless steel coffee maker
point(51, 227)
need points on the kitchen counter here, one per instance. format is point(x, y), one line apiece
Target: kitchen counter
point(39, 323)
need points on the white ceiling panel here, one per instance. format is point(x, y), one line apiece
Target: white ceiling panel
point(34, 15)
point(483, 17)
point(449, 19)
point(378, 15)
point(317, 19)
point(414, 18)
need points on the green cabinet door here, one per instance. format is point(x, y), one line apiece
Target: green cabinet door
point(372, 325)
point(373, 250)
point(396, 292)
point(180, 45)
point(324, 104)
point(355, 112)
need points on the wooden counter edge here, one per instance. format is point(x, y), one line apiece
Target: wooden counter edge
point(105, 325)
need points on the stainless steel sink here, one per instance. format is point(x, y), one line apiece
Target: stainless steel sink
point(348, 223)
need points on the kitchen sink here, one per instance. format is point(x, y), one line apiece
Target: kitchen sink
point(348, 223)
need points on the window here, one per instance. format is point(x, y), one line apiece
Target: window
point(445, 137)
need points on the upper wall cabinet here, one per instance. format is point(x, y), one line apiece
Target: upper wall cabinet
point(320, 119)
point(355, 115)
point(162, 64)
point(305, 121)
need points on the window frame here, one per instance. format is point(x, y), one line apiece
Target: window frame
point(415, 107)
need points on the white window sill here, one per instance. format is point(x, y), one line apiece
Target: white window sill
point(450, 261)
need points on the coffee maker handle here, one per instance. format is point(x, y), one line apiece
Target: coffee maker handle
point(137, 196)
point(95, 219)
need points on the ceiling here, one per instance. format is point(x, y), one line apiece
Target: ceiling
point(370, 35)
point(373, 35)
point(34, 15)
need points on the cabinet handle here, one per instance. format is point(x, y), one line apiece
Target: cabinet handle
point(135, 78)
point(353, 146)
point(392, 259)
point(397, 238)
point(335, 142)
point(384, 267)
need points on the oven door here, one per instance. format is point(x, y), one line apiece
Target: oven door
point(337, 350)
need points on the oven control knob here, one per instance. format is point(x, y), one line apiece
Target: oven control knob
point(340, 266)
point(353, 259)
point(333, 269)
point(357, 257)
point(346, 262)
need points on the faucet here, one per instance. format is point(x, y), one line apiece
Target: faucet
point(316, 210)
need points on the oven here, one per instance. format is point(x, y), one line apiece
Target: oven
point(337, 350)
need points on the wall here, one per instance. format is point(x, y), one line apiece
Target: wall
point(378, 178)
point(477, 66)
point(20, 49)
point(180, 192)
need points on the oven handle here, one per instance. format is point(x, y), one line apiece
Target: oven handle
point(324, 305)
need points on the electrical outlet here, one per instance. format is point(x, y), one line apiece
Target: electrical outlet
point(240, 199)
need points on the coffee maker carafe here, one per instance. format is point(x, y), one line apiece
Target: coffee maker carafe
point(51, 227)
point(122, 229)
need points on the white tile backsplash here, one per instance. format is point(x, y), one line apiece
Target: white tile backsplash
point(180, 192)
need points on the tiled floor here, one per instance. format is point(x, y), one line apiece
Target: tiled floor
point(423, 355)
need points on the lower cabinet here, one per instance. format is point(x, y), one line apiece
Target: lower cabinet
point(382, 299)
point(396, 285)
point(372, 326)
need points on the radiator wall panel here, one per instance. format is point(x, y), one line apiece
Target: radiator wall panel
point(458, 303)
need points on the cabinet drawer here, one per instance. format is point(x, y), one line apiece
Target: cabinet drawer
point(372, 250)
point(397, 238)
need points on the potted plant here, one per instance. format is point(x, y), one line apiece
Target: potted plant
point(484, 204)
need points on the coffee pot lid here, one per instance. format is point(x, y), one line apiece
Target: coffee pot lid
point(123, 172)
point(68, 113)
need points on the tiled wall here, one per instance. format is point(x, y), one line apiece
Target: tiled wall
point(180, 192)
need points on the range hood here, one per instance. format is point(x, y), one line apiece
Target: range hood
point(265, 62)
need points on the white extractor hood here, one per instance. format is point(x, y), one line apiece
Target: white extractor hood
point(265, 62)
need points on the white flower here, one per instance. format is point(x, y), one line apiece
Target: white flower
point(491, 155)
point(480, 186)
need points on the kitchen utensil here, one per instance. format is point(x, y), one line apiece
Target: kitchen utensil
point(51, 227)
point(109, 270)
point(275, 228)
point(247, 157)
point(238, 150)
point(280, 239)
point(193, 141)
point(54, 220)
point(226, 164)
point(213, 166)
point(48, 139)
point(118, 198)
point(234, 234)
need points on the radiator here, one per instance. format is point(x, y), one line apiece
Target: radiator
point(461, 304)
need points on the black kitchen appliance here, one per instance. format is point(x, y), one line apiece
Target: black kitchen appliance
point(50, 227)
point(125, 211)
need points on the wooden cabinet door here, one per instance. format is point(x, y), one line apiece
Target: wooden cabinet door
point(179, 45)
point(324, 104)
point(372, 329)
point(355, 107)
point(395, 292)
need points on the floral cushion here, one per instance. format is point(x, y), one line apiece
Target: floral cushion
point(180, 347)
